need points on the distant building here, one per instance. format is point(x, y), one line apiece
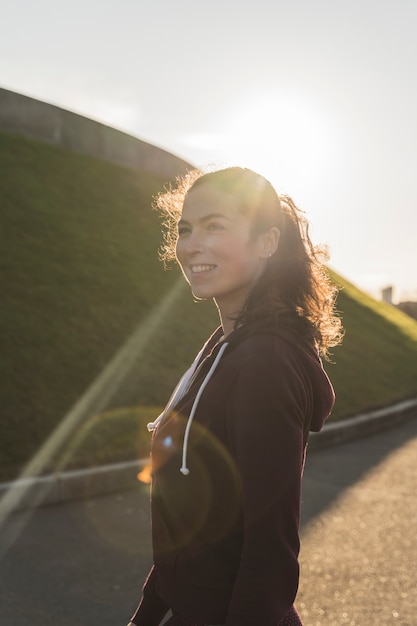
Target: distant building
point(387, 295)
point(409, 308)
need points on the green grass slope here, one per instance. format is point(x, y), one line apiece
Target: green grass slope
point(376, 365)
point(79, 271)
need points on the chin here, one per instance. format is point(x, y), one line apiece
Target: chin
point(200, 294)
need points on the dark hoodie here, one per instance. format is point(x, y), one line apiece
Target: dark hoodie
point(226, 496)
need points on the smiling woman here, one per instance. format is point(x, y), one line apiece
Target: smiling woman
point(228, 451)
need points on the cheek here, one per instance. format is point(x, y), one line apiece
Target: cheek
point(247, 263)
point(239, 254)
point(231, 249)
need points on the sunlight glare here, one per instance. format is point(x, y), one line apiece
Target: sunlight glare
point(285, 137)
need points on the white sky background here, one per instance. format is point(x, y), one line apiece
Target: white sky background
point(321, 97)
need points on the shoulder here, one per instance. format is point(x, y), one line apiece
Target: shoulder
point(280, 362)
point(267, 364)
point(279, 372)
point(266, 348)
point(270, 387)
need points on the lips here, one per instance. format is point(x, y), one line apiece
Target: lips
point(198, 269)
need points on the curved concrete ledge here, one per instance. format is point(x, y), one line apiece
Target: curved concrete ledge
point(363, 424)
point(85, 483)
point(35, 119)
point(71, 484)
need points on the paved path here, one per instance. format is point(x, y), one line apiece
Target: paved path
point(82, 563)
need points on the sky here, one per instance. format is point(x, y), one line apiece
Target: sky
point(319, 97)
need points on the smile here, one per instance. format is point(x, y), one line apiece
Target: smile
point(197, 269)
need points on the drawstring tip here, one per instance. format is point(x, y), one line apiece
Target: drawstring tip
point(151, 426)
point(184, 471)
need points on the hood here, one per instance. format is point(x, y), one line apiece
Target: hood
point(322, 392)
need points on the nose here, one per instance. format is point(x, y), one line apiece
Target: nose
point(194, 244)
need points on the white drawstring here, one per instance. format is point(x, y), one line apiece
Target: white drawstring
point(177, 393)
point(184, 469)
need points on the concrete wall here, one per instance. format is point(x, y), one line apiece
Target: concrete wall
point(38, 120)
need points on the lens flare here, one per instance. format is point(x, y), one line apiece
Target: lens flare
point(145, 476)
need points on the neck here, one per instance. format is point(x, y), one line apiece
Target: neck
point(227, 325)
point(227, 317)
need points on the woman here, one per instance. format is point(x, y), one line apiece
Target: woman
point(228, 451)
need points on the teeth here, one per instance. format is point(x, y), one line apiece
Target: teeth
point(201, 268)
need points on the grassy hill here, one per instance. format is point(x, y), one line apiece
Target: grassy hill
point(79, 271)
point(377, 363)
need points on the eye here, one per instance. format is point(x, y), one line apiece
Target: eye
point(215, 226)
point(183, 230)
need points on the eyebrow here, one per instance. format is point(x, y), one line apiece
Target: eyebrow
point(206, 218)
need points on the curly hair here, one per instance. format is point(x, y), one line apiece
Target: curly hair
point(295, 288)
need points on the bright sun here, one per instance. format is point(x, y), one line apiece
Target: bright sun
point(286, 138)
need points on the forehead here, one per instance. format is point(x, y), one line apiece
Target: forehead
point(205, 200)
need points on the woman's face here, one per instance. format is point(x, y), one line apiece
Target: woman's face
point(217, 254)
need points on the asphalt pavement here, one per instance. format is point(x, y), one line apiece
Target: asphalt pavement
point(82, 562)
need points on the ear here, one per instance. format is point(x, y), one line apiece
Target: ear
point(268, 242)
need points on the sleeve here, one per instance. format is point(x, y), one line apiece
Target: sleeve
point(267, 422)
point(152, 609)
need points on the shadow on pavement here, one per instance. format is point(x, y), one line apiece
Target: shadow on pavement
point(329, 471)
